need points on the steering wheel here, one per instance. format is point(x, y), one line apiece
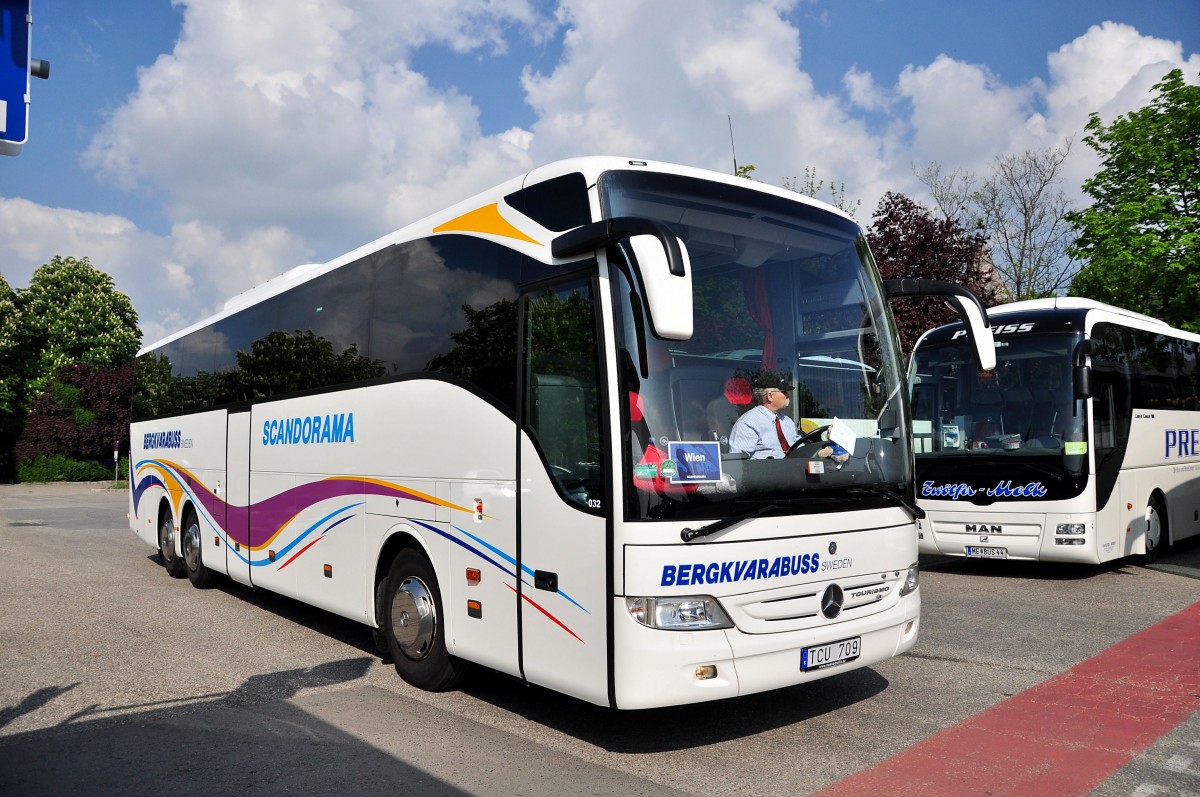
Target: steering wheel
point(805, 439)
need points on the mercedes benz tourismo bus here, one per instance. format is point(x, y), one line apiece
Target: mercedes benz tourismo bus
point(500, 435)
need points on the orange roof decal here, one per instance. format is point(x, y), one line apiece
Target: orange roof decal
point(486, 219)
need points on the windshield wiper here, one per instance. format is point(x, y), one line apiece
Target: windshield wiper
point(689, 534)
point(888, 492)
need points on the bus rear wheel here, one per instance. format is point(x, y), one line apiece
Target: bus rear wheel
point(193, 561)
point(166, 547)
point(412, 624)
point(1156, 531)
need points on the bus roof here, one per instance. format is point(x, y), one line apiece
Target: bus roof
point(1071, 303)
point(1063, 312)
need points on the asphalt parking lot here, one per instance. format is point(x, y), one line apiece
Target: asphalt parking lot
point(120, 680)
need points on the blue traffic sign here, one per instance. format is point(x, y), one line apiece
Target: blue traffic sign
point(15, 28)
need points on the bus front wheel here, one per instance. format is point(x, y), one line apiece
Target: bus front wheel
point(1156, 531)
point(166, 547)
point(412, 623)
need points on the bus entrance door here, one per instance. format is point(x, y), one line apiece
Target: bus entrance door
point(565, 556)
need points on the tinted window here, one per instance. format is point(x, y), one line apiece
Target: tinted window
point(558, 204)
point(446, 305)
point(334, 307)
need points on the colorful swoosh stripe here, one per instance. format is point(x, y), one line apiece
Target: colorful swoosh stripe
point(274, 518)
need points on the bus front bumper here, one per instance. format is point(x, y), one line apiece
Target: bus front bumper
point(655, 668)
point(1031, 536)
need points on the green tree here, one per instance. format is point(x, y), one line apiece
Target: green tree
point(14, 368)
point(72, 313)
point(1141, 235)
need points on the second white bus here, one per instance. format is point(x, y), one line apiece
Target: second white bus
point(1083, 445)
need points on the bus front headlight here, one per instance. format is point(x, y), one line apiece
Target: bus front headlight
point(688, 613)
point(911, 580)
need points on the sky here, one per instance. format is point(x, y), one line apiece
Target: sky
point(196, 148)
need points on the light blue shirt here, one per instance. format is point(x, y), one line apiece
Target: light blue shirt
point(754, 433)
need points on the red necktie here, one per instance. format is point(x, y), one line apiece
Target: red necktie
point(783, 443)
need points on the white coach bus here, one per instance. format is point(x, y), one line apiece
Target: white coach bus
point(1083, 445)
point(499, 436)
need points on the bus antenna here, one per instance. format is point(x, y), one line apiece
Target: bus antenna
point(729, 119)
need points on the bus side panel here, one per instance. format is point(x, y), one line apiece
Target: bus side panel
point(1164, 453)
point(480, 586)
point(564, 630)
point(273, 536)
point(327, 561)
point(146, 486)
point(185, 457)
point(336, 474)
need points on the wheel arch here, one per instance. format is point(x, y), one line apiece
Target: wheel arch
point(1158, 496)
point(398, 539)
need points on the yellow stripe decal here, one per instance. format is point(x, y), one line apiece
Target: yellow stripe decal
point(486, 219)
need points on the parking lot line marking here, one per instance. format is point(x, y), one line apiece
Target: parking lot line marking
point(1064, 736)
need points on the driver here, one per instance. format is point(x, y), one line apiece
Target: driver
point(762, 432)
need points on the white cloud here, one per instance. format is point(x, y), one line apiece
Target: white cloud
point(962, 113)
point(303, 111)
point(862, 91)
point(1109, 70)
point(281, 131)
point(172, 280)
point(638, 78)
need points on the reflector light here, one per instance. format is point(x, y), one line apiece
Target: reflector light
point(473, 575)
point(328, 571)
point(474, 609)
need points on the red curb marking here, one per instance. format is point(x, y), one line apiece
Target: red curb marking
point(1064, 736)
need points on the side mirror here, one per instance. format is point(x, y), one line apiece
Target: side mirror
point(1081, 372)
point(668, 297)
point(965, 303)
point(660, 262)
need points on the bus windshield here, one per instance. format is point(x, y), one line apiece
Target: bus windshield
point(782, 291)
point(1023, 412)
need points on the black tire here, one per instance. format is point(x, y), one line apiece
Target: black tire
point(1156, 531)
point(411, 622)
point(377, 634)
point(191, 542)
point(171, 561)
